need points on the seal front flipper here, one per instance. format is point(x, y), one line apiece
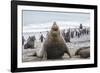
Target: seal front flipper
point(66, 50)
point(44, 56)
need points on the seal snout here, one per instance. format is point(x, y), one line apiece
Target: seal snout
point(55, 27)
point(54, 30)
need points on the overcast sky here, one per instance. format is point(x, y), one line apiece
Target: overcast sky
point(39, 17)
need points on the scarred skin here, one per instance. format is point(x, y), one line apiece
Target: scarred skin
point(54, 46)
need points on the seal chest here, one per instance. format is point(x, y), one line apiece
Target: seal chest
point(54, 51)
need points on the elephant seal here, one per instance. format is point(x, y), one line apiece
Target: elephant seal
point(83, 52)
point(54, 46)
point(30, 42)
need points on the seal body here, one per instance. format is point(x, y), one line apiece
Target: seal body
point(83, 52)
point(30, 43)
point(55, 46)
point(55, 50)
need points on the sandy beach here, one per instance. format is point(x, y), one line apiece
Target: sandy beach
point(73, 46)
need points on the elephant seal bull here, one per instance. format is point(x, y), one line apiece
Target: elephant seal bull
point(83, 52)
point(30, 42)
point(54, 46)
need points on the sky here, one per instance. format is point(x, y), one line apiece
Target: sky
point(36, 21)
point(39, 17)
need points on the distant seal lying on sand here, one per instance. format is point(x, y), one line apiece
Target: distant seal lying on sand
point(54, 46)
point(30, 42)
point(83, 52)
